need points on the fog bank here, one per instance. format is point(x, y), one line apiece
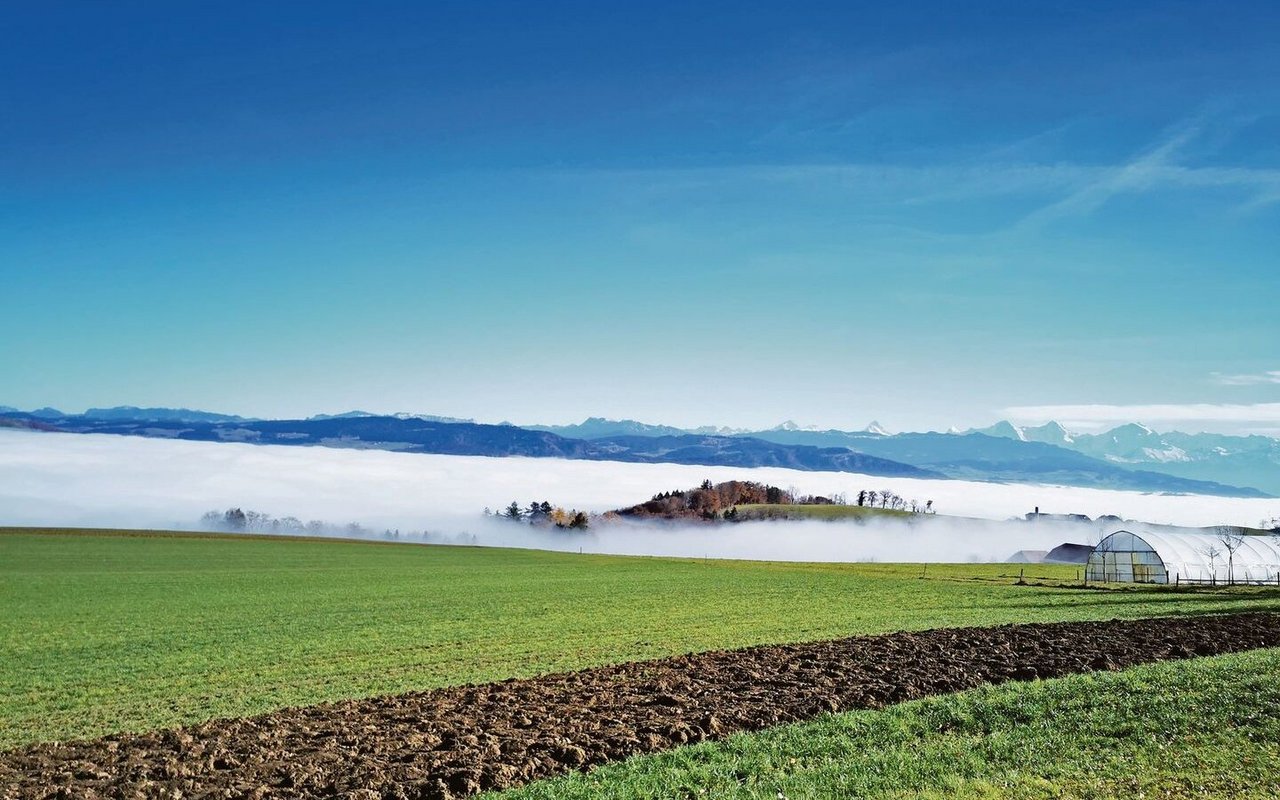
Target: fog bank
point(119, 481)
point(933, 539)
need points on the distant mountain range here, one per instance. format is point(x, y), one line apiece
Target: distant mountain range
point(976, 456)
point(401, 415)
point(1130, 457)
point(599, 427)
point(1240, 460)
point(418, 434)
point(128, 413)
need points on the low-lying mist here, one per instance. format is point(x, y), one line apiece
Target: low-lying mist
point(127, 482)
point(931, 539)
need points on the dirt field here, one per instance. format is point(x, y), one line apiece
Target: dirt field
point(460, 741)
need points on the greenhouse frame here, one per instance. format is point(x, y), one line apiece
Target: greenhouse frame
point(1160, 557)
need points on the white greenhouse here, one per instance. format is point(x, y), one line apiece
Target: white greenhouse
point(1125, 557)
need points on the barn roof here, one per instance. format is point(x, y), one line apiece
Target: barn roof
point(1069, 553)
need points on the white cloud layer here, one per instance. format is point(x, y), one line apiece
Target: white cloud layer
point(117, 481)
point(1252, 379)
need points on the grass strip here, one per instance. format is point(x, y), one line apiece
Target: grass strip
point(1204, 727)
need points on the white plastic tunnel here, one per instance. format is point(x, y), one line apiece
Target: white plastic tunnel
point(1125, 557)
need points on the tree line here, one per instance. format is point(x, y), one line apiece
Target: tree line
point(238, 520)
point(543, 514)
point(889, 500)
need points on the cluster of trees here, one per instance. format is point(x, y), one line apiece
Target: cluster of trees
point(709, 501)
point(720, 500)
point(250, 521)
point(238, 520)
point(544, 514)
point(889, 500)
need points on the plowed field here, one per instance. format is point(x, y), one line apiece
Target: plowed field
point(460, 741)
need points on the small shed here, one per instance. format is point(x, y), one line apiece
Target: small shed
point(1160, 557)
point(1069, 553)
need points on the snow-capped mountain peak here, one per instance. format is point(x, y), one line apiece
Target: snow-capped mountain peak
point(1050, 433)
point(876, 429)
point(1131, 432)
point(718, 430)
point(1003, 429)
point(792, 425)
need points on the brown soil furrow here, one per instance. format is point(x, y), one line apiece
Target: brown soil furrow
point(462, 740)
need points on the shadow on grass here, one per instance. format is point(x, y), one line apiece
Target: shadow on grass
point(1159, 590)
point(1189, 603)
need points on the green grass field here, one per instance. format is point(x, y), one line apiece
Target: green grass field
point(822, 512)
point(103, 631)
point(1200, 728)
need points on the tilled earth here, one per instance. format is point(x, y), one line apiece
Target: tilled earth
point(459, 741)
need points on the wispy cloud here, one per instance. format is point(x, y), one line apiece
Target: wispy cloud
point(1009, 171)
point(1089, 186)
point(1137, 175)
point(1262, 199)
point(1249, 379)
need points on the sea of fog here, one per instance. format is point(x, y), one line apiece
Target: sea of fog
point(131, 482)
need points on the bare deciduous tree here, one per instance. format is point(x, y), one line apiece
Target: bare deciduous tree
point(1211, 551)
point(1275, 542)
point(1231, 539)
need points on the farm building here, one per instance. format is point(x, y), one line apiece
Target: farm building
point(1065, 553)
point(1184, 558)
point(1069, 553)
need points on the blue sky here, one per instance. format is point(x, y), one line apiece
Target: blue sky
point(728, 213)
